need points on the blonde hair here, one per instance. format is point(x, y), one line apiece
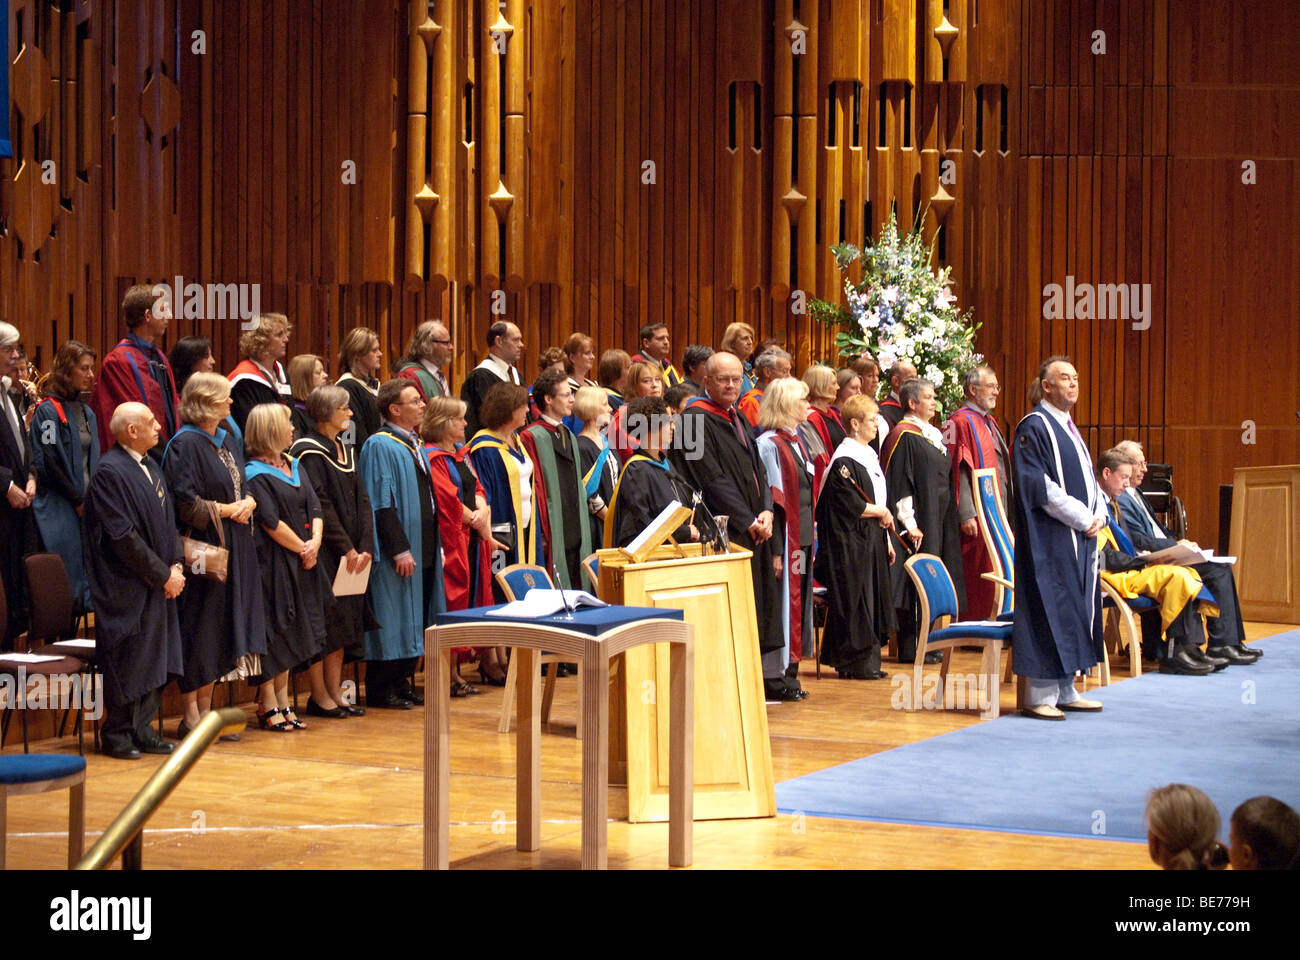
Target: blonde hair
point(821, 382)
point(438, 413)
point(253, 343)
point(1186, 823)
point(357, 342)
point(780, 407)
point(264, 429)
point(733, 333)
point(587, 403)
point(634, 375)
point(301, 371)
point(199, 399)
point(858, 407)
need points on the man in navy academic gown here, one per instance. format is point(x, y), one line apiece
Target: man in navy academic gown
point(134, 561)
point(1058, 511)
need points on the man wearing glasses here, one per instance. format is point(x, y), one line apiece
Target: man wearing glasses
point(17, 487)
point(974, 442)
point(427, 354)
point(1227, 636)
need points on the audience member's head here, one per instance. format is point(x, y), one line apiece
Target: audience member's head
point(134, 427)
point(72, 372)
point(400, 403)
point(9, 337)
point(868, 370)
point(859, 416)
point(431, 341)
point(1139, 458)
point(917, 398)
point(771, 365)
point(553, 395)
point(268, 339)
point(1057, 383)
point(591, 406)
point(444, 417)
point(980, 387)
point(361, 354)
point(325, 401)
point(1183, 829)
point(191, 355)
point(848, 383)
point(693, 360)
point(822, 387)
point(268, 431)
point(1114, 471)
point(145, 312)
point(900, 371)
point(504, 408)
point(552, 358)
point(579, 355)
point(205, 400)
point(612, 372)
point(505, 342)
point(1264, 834)
point(785, 404)
point(738, 340)
point(306, 373)
point(643, 380)
point(677, 395)
point(649, 423)
point(723, 375)
point(655, 342)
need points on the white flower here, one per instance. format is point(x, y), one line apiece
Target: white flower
point(871, 320)
point(889, 294)
point(943, 298)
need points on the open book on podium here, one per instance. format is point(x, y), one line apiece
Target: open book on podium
point(658, 532)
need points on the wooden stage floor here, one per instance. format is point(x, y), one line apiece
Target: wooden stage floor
point(347, 794)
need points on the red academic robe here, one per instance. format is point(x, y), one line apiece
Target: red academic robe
point(972, 444)
point(124, 378)
point(748, 405)
point(818, 421)
point(445, 477)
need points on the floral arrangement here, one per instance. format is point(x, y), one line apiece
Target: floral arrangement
point(903, 310)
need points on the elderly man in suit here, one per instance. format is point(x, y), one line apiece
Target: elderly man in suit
point(17, 488)
point(1227, 636)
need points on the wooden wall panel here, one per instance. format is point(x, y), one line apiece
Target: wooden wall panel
point(370, 161)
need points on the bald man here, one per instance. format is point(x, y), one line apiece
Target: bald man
point(134, 561)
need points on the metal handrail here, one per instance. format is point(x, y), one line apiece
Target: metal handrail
point(127, 828)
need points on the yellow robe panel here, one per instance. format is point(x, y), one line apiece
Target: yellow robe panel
point(1170, 585)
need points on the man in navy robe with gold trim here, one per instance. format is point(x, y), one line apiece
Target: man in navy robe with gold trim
point(1059, 509)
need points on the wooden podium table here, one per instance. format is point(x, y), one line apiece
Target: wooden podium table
point(733, 755)
point(1265, 539)
point(592, 638)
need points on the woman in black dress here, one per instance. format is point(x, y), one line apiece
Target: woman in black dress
point(599, 462)
point(222, 623)
point(289, 531)
point(854, 551)
point(360, 360)
point(648, 481)
point(330, 465)
point(259, 376)
point(306, 373)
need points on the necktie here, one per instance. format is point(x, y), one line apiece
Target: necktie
point(1121, 534)
point(741, 428)
point(154, 477)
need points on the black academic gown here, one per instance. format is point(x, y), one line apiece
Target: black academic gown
point(643, 492)
point(919, 470)
point(220, 622)
point(349, 525)
point(727, 471)
point(131, 545)
point(476, 386)
point(590, 452)
point(294, 599)
point(17, 527)
point(246, 394)
point(365, 411)
point(853, 565)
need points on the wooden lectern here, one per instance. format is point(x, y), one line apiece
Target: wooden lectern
point(733, 756)
point(1265, 539)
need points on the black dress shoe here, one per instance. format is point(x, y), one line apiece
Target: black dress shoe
point(121, 751)
point(934, 656)
point(353, 711)
point(407, 692)
point(1200, 656)
point(1231, 655)
point(1253, 652)
point(1181, 663)
point(316, 710)
point(567, 670)
point(155, 744)
point(389, 701)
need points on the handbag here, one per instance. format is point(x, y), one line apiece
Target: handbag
point(202, 558)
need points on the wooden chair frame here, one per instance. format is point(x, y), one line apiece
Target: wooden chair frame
point(75, 784)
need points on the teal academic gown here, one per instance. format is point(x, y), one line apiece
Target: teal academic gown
point(388, 471)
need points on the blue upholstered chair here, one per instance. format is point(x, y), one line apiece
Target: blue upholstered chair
point(591, 570)
point(938, 609)
point(515, 581)
point(998, 541)
point(38, 773)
